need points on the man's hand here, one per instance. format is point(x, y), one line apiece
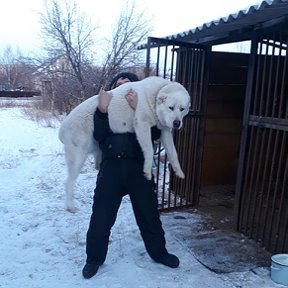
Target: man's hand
point(132, 99)
point(104, 100)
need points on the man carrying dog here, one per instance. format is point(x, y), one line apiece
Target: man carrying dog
point(121, 173)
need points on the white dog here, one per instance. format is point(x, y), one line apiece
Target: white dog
point(160, 102)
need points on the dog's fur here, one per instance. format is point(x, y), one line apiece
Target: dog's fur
point(160, 102)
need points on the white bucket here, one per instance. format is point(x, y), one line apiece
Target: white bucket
point(279, 268)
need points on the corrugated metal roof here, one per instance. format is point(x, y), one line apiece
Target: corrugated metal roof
point(219, 31)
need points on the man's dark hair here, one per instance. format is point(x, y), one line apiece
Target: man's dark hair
point(131, 76)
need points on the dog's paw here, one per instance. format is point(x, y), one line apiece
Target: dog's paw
point(147, 169)
point(147, 175)
point(71, 209)
point(180, 174)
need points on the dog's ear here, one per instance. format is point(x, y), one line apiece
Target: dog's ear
point(161, 99)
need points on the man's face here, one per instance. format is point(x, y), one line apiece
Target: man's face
point(121, 81)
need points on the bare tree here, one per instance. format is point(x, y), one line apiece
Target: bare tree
point(131, 28)
point(69, 37)
point(15, 73)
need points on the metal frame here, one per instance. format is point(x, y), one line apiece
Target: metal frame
point(261, 209)
point(187, 64)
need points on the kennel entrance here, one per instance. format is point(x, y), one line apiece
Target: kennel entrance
point(187, 64)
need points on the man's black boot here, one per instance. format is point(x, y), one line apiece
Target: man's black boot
point(169, 260)
point(89, 270)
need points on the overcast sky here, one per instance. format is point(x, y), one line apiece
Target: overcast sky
point(19, 21)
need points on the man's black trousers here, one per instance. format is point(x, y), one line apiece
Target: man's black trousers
point(117, 178)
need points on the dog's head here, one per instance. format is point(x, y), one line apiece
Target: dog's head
point(172, 104)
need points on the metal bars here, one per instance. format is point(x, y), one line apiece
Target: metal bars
point(186, 64)
point(263, 195)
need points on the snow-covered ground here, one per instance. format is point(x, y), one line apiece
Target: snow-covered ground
point(43, 246)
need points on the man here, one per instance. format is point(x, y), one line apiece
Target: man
point(121, 173)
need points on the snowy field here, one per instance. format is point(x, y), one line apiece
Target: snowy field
point(43, 246)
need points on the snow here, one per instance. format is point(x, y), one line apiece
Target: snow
point(43, 245)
